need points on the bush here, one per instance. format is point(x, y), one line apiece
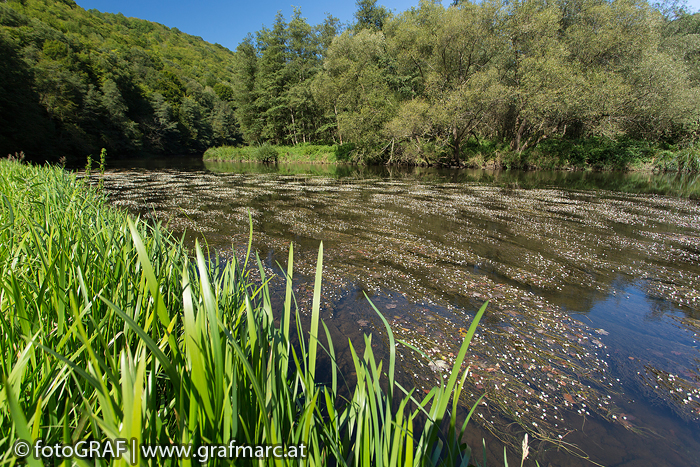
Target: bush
point(265, 153)
point(683, 160)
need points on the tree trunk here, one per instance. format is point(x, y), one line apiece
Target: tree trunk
point(517, 144)
point(340, 137)
point(296, 141)
point(456, 145)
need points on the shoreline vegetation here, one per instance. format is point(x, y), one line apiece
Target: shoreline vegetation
point(302, 153)
point(104, 317)
point(594, 154)
point(605, 85)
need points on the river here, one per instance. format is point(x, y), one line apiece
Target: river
point(590, 340)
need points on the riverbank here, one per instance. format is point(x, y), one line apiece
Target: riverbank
point(598, 154)
point(305, 152)
point(104, 317)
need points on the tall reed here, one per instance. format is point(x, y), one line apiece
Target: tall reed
point(109, 329)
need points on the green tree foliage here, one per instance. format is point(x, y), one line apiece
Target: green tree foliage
point(273, 75)
point(357, 87)
point(74, 81)
point(24, 123)
point(244, 74)
point(420, 87)
point(456, 90)
point(516, 73)
point(370, 16)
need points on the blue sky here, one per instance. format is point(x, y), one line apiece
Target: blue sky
point(694, 5)
point(228, 22)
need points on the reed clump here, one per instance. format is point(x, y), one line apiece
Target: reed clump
point(110, 329)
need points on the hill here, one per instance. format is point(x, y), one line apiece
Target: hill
point(73, 81)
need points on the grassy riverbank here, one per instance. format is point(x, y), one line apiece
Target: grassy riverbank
point(552, 154)
point(109, 329)
point(597, 154)
point(309, 153)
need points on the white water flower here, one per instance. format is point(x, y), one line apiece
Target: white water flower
point(526, 450)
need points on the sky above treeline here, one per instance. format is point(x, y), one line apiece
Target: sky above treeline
point(227, 22)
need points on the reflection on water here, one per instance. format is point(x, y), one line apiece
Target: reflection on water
point(590, 341)
point(676, 184)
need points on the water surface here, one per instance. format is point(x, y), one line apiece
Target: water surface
point(590, 342)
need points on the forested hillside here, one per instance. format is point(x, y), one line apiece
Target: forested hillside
point(434, 84)
point(74, 81)
point(600, 80)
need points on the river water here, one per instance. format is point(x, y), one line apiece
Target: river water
point(590, 340)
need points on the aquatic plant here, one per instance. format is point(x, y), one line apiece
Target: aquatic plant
point(305, 152)
point(88, 165)
point(110, 330)
point(103, 164)
point(447, 247)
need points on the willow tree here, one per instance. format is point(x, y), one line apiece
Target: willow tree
point(354, 84)
point(452, 53)
point(635, 86)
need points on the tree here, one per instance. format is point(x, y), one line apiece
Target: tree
point(634, 85)
point(160, 130)
point(370, 16)
point(356, 86)
point(244, 74)
point(303, 62)
point(271, 80)
point(452, 54)
point(193, 125)
point(224, 125)
point(24, 124)
point(224, 91)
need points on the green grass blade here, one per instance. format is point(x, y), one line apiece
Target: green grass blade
point(315, 314)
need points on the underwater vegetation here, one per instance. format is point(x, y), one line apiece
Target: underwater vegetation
point(443, 248)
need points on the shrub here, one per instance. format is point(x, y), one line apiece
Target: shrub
point(265, 153)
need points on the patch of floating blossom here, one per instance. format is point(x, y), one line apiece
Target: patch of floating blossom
point(451, 247)
point(535, 365)
point(681, 395)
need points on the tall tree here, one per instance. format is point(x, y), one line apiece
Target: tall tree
point(271, 81)
point(244, 74)
point(356, 86)
point(370, 16)
point(452, 53)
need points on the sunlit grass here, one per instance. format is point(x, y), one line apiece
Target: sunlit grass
point(305, 152)
point(111, 330)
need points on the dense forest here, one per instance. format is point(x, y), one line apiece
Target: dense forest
point(74, 81)
point(430, 85)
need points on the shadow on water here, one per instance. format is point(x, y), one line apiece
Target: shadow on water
point(590, 343)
